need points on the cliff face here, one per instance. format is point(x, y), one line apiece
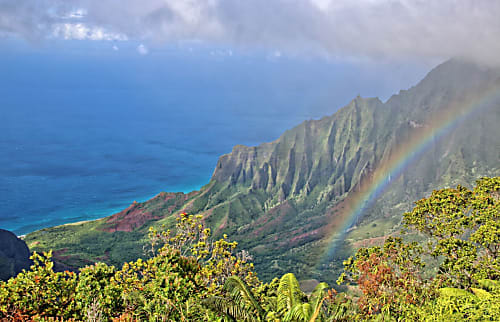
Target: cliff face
point(281, 200)
point(334, 152)
point(327, 153)
point(14, 255)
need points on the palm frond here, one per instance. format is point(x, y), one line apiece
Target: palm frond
point(340, 313)
point(223, 306)
point(318, 295)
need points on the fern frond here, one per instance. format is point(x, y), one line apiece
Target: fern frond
point(300, 312)
point(222, 306)
point(316, 300)
point(240, 292)
point(289, 293)
point(317, 295)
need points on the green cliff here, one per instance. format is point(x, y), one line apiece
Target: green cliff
point(281, 200)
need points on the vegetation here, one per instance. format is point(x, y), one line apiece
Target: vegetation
point(463, 233)
point(453, 275)
point(278, 199)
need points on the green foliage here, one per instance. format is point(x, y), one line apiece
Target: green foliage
point(186, 268)
point(78, 245)
point(39, 292)
point(389, 277)
point(239, 290)
point(289, 293)
point(238, 303)
point(217, 258)
point(96, 289)
point(190, 277)
point(453, 304)
point(277, 301)
point(464, 229)
point(461, 227)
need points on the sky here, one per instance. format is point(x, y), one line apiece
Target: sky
point(416, 30)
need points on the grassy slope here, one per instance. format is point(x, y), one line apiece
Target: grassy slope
point(277, 199)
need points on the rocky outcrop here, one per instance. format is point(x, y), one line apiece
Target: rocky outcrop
point(14, 255)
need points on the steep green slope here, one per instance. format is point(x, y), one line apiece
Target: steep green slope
point(282, 200)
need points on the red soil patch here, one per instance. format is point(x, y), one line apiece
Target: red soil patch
point(137, 214)
point(280, 210)
point(163, 196)
point(104, 257)
point(223, 224)
point(207, 214)
point(304, 235)
point(128, 219)
point(58, 254)
point(166, 196)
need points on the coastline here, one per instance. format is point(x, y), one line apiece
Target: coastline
point(109, 212)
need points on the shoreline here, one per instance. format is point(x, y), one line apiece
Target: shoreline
point(108, 213)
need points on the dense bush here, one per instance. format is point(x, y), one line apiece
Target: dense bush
point(453, 275)
point(462, 234)
point(184, 269)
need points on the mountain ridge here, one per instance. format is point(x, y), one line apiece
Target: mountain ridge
point(283, 198)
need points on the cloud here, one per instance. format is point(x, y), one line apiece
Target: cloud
point(377, 29)
point(81, 31)
point(75, 14)
point(143, 50)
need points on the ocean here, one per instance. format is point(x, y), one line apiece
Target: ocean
point(83, 136)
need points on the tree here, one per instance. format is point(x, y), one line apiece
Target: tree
point(462, 231)
point(390, 277)
point(463, 227)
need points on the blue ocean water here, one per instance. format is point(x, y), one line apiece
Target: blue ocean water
point(84, 135)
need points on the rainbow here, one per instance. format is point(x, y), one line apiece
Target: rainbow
point(391, 167)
